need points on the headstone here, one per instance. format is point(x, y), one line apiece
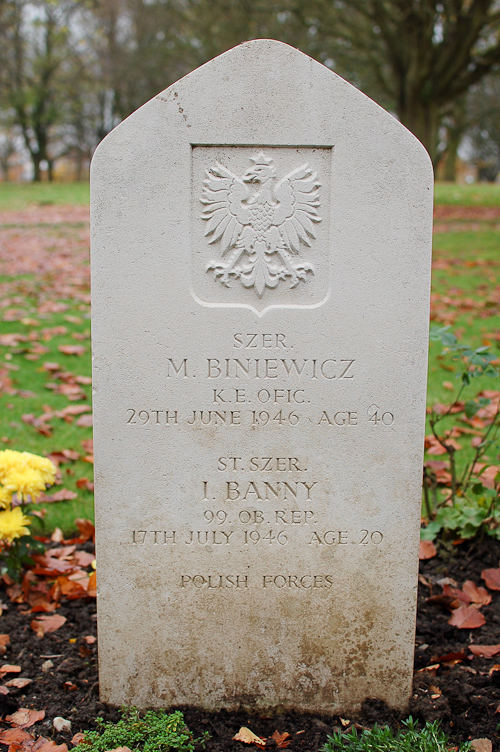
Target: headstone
point(260, 256)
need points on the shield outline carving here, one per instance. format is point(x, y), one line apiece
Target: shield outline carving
point(311, 293)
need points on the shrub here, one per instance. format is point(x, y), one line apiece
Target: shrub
point(383, 739)
point(155, 731)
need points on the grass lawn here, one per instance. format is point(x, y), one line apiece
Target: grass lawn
point(477, 194)
point(17, 196)
point(45, 391)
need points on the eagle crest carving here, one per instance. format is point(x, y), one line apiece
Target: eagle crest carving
point(261, 223)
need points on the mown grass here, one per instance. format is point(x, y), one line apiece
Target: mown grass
point(47, 311)
point(477, 194)
point(17, 196)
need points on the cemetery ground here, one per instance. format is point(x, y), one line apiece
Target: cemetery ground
point(50, 663)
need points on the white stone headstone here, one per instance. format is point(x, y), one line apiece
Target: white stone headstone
point(261, 237)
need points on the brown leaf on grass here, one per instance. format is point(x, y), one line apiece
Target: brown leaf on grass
point(441, 470)
point(38, 424)
point(484, 651)
point(45, 624)
point(282, 740)
point(433, 446)
point(85, 483)
point(466, 617)
point(70, 454)
point(86, 528)
point(12, 339)
point(57, 536)
point(72, 349)
point(248, 737)
point(74, 410)
point(78, 738)
point(478, 595)
point(85, 421)
point(491, 578)
point(427, 550)
point(486, 473)
point(481, 745)
point(19, 683)
point(63, 495)
point(24, 717)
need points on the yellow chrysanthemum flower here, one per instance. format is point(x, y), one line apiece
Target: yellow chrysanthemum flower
point(5, 497)
point(9, 459)
point(25, 482)
point(45, 467)
point(13, 524)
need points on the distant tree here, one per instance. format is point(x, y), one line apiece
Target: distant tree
point(483, 133)
point(9, 141)
point(415, 56)
point(34, 42)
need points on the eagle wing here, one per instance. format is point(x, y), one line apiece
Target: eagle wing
point(297, 212)
point(222, 197)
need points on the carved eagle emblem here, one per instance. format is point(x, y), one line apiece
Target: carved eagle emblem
point(261, 223)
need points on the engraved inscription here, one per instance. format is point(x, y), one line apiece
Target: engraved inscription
point(261, 222)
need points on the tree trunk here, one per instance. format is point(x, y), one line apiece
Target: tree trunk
point(423, 121)
point(37, 173)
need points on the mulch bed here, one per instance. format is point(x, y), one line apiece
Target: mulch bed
point(464, 695)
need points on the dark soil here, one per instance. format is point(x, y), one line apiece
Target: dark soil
point(464, 696)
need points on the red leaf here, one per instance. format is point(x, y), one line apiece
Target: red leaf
point(450, 658)
point(248, 737)
point(467, 617)
point(282, 740)
point(72, 349)
point(19, 683)
point(427, 550)
point(8, 669)
point(14, 736)
point(45, 624)
point(481, 745)
point(47, 745)
point(484, 651)
point(85, 421)
point(478, 595)
point(85, 483)
point(63, 495)
point(92, 587)
point(491, 578)
point(86, 528)
point(24, 718)
point(83, 559)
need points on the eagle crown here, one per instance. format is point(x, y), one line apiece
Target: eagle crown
point(262, 171)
